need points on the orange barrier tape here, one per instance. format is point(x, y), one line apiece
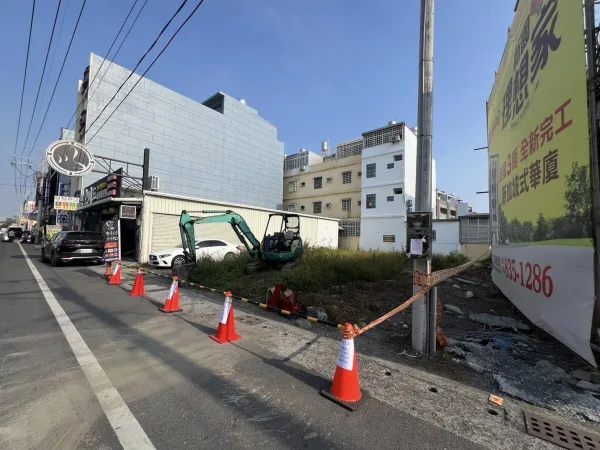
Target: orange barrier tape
point(431, 281)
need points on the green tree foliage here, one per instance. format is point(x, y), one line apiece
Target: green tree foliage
point(576, 221)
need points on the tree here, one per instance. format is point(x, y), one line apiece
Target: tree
point(542, 229)
point(527, 230)
point(578, 202)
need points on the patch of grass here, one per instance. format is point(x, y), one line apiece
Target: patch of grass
point(320, 269)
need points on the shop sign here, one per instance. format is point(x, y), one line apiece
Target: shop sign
point(110, 234)
point(69, 158)
point(65, 203)
point(108, 186)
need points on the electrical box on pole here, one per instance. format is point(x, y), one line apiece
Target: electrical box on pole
point(418, 235)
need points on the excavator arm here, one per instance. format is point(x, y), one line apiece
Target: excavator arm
point(237, 222)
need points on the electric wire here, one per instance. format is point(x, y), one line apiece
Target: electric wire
point(24, 81)
point(107, 53)
point(138, 63)
point(37, 96)
point(59, 75)
point(146, 71)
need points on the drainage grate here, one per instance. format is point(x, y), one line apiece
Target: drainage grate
point(563, 435)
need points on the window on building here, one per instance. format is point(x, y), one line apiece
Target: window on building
point(443, 211)
point(390, 198)
point(293, 186)
point(397, 191)
point(347, 177)
point(390, 165)
point(452, 213)
point(371, 201)
point(317, 207)
point(350, 228)
point(346, 204)
point(371, 171)
point(291, 207)
point(318, 182)
point(389, 238)
point(397, 157)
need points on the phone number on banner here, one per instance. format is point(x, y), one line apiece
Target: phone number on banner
point(531, 276)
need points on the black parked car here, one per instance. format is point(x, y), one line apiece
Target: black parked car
point(26, 237)
point(67, 246)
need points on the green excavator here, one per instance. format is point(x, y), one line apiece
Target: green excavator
point(282, 249)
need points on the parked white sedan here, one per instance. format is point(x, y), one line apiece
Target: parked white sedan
point(213, 248)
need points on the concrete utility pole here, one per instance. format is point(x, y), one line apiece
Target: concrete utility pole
point(424, 309)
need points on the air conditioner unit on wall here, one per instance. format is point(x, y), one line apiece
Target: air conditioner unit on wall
point(329, 180)
point(154, 183)
point(328, 205)
point(359, 174)
point(302, 207)
point(396, 139)
point(302, 169)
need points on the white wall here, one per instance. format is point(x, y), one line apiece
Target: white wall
point(373, 229)
point(447, 237)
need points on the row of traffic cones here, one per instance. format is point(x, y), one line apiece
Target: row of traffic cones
point(345, 388)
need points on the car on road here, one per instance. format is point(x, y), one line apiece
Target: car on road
point(216, 249)
point(26, 238)
point(67, 246)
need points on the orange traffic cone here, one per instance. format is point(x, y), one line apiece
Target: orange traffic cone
point(172, 302)
point(226, 331)
point(345, 389)
point(138, 286)
point(115, 277)
point(108, 271)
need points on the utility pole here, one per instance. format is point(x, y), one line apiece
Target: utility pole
point(424, 309)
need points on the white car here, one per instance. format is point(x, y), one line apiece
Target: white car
point(213, 248)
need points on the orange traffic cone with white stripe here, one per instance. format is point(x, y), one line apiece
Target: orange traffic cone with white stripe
point(345, 389)
point(172, 301)
point(138, 286)
point(115, 278)
point(226, 331)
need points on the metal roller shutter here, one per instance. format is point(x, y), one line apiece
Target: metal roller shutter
point(165, 232)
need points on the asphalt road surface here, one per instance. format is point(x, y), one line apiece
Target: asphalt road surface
point(84, 365)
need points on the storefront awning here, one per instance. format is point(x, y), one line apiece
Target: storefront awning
point(110, 201)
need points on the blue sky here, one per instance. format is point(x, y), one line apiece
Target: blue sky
point(315, 69)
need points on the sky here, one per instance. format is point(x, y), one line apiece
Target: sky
point(315, 69)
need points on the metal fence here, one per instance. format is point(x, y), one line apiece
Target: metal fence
point(475, 229)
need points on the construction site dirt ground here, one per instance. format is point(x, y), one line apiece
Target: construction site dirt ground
point(502, 354)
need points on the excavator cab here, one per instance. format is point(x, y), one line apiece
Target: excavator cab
point(283, 246)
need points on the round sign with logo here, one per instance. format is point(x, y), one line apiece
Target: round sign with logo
point(70, 158)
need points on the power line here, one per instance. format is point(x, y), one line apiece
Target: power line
point(146, 71)
point(60, 28)
point(37, 96)
point(140, 61)
point(59, 75)
point(107, 53)
point(23, 88)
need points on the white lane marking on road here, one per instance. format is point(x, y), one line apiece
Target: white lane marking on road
point(127, 428)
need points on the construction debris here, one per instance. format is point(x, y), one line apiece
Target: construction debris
point(498, 322)
point(453, 308)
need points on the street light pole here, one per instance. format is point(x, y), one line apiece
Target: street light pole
point(424, 309)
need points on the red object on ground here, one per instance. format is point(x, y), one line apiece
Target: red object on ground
point(172, 301)
point(138, 286)
point(345, 389)
point(115, 277)
point(283, 298)
point(226, 330)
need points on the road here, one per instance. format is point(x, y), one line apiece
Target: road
point(116, 373)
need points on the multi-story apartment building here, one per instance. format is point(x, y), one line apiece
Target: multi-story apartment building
point(369, 184)
point(328, 186)
point(389, 165)
point(450, 206)
point(220, 149)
